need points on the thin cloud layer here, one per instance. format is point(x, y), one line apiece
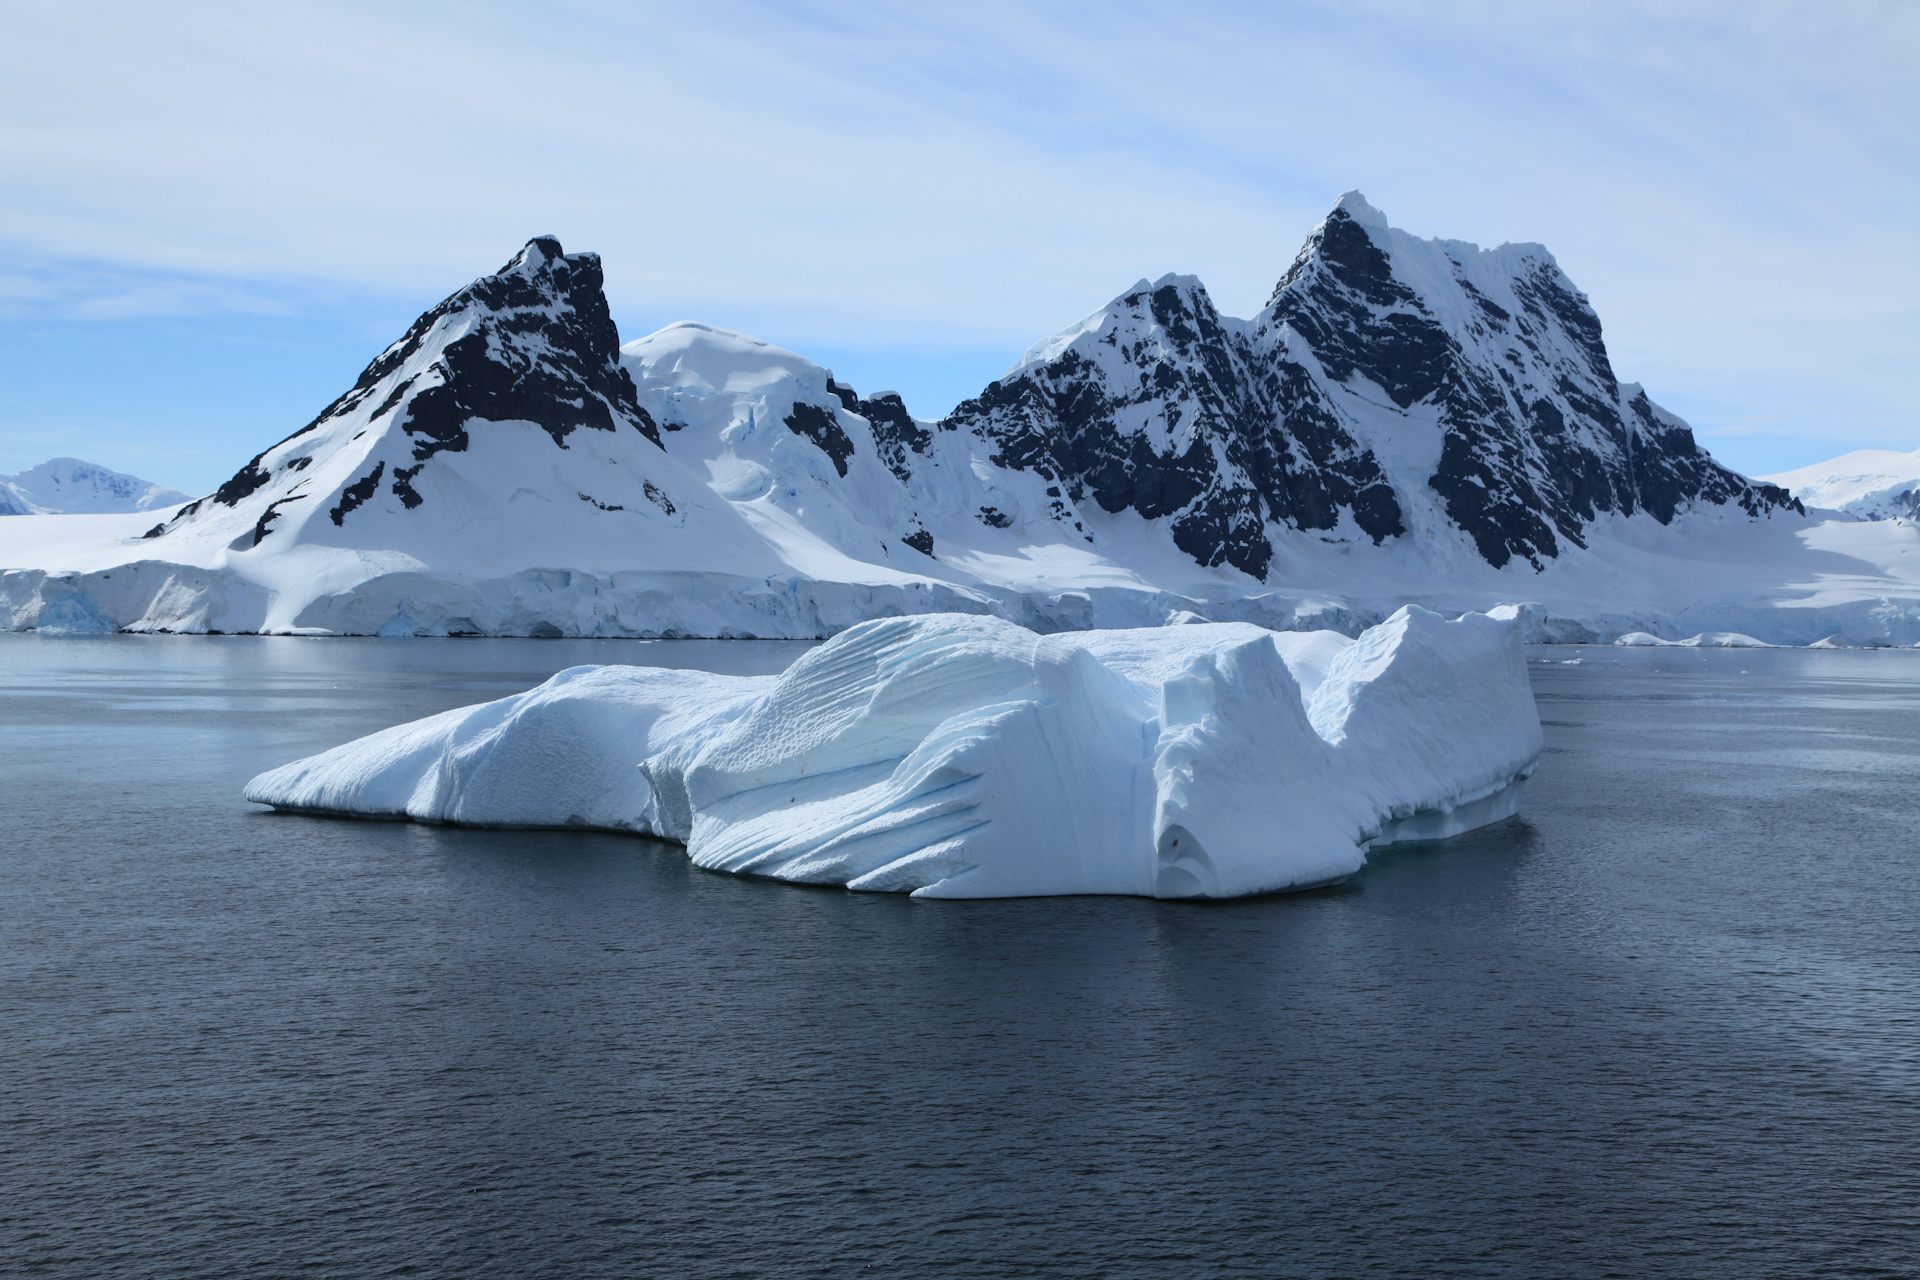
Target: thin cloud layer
point(1735, 187)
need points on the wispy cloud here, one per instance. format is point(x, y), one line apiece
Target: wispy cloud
point(1735, 185)
point(93, 291)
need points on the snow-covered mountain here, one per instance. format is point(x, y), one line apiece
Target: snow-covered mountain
point(820, 469)
point(1406, 420)
point(1871, 484)
point(1392, 387)
point(501, 415)
point(69, 486)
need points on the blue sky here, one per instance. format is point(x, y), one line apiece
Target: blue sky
point(214, 215)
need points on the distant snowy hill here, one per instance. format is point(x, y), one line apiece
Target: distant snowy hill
point(1873, 484)
point(1405, 421)
point(70, 486)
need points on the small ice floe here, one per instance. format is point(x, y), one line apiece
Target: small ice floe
point(1704, 640)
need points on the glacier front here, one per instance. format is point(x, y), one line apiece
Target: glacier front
point(960, 756)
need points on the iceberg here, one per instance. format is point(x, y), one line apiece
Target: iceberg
point(1704, 640)
point(961, 756)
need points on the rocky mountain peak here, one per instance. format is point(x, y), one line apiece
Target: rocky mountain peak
point(533, 343)
point(1537, 439)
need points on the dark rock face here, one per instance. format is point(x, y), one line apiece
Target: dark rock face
point(1536, 444)
point(823, 428)
point(546, 351)
point(540, 346)
point(356, 493)
point(1670, 470)
point(1170, 412)
point(896, 434)
point(658, 497)
point(1342, 297)
point(267, 517)
point(1233, 430)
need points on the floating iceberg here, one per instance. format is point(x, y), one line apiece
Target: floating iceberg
point(1705, 640)
point(958, 756)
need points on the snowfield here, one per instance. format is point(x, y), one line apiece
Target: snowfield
point(69, 486)
point(1868, 484)
point(1789, 580)
point(958, 756)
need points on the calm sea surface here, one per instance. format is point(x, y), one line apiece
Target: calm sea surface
point(1667, 1023)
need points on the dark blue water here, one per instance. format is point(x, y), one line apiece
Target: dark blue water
point(1662, 1025)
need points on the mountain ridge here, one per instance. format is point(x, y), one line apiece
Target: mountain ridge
point(1229, 430)
point(1404, 417)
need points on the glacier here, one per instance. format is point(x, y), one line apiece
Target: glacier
point(962, 756)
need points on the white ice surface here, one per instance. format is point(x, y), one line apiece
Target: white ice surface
point(560, 755)
point(1870, 484)
point(1787, 580)
point(1706, 640)
point(74, 487)
point(963, 756)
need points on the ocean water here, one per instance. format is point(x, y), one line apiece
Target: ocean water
point(1665, 1023)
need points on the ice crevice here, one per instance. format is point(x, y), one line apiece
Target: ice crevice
point(965, 756)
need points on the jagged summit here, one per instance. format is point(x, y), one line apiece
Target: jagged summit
point(1186, 288)
point(1538, 438)
point(1355, 206)
point(1159, 405)
point(537, 253)
point(507, 397)
point(1392, 386)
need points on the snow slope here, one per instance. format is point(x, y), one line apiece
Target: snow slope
point(1870, 484)
point(1406, 421)
point(70, 486)
point(957, 756)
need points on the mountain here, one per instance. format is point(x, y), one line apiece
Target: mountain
point(499, 435)
point(1870, 484)
point(822, 470)
point(1405, 421)
point(507, 392)
point(68, 486)
point(1392, 386)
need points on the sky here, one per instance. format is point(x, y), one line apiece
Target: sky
point(215, 214)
